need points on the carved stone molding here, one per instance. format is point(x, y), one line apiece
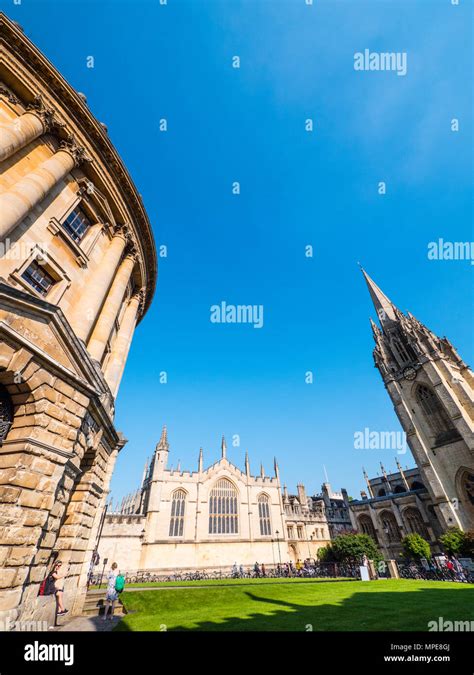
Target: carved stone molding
point(47, 115)
point(10, 97)
point(78, 152)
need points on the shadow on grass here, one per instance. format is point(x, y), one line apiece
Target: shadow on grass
point(406, 610)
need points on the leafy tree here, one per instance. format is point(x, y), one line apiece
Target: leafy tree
point(353, 547)
point(416, 547)
point(452, 540)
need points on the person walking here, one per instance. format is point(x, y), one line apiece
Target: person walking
point(111, 596)
point(58, 576)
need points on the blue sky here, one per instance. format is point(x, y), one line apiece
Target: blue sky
point(297, 189)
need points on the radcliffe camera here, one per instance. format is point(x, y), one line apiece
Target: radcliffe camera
point(236, 300)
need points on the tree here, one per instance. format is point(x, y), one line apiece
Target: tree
point(452, 540)
point(416, 547)
point(456, 542)
point(352, 548)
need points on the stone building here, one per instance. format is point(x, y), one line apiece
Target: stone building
point(311, 522)
point(432, 392)
point(216, 517)
point(77, 273)
point(394, 505)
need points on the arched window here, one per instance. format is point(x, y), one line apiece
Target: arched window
point(399, 489)
point(367, 527)
point(415, 522)
point(178, 505)
point(264, 515)
point(468, 487)
point(390, 527)
point(6, 413)
point(223, 513)
point(381, 493)
point(435, 414)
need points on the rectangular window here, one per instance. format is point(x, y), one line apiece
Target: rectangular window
point(300, 532)
point(37, 276)
point(76, 224)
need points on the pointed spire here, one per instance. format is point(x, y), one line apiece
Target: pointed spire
point(178, 468)
point(384, 307)
point(247, 463)
point(384, 473)
point(262, 471)
point(163, 442)
point(275, 467)
point(367, 482)
point(223, 448)
point(402, 474)
point(145, 472)
point(285, 495)
point(201, 460)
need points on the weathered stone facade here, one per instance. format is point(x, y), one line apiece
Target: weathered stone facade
point(394, 505)
point(77, 272)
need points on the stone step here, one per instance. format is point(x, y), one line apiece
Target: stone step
point(94, 604)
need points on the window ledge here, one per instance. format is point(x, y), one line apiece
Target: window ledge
point(56, 229)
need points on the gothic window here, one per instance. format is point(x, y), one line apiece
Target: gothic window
point(469, 487)
point(223, 514)
point(415, 522)
point(178, 505)
point(381, 493)
point(291, 533)
point(6, 413)
point(435, 414)
point(76, 224)
point(264, 515)
point(390, 527)
point(399, 489)
point(299, 531)
point(367, 527)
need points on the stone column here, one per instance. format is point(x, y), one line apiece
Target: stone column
point(111, 308)
point(19, 132)
point(84, 312)
point(30, 190)
point(123, 339)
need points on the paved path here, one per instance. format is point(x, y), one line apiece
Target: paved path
point(91, 624)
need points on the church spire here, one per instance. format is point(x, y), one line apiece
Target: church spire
point(223, 448)
point(163, 442)
point(384, 307)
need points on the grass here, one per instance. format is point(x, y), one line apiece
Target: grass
point(211, 582)
point(298, 605)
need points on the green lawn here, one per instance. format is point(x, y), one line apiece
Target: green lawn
point(297, 604)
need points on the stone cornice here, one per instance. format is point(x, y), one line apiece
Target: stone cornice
point(91, 383)
point(62, 96)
